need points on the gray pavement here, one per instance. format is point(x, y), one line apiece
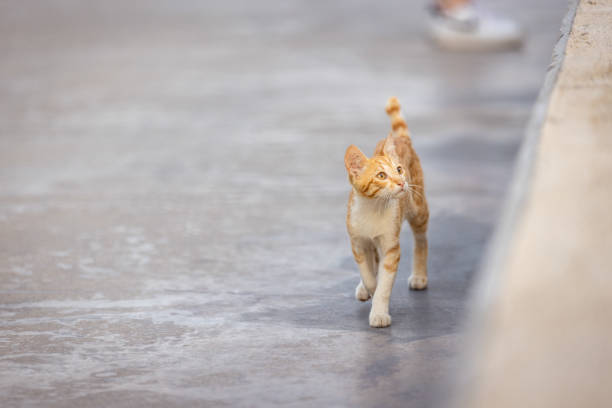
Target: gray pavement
point(172, 197)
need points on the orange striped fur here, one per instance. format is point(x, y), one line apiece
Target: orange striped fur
point(388, 188)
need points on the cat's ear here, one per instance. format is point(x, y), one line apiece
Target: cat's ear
point(390, 148)
point(380, 147)
point(354, 160)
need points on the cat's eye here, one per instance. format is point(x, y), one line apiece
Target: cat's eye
point(399, 169)
point(382, 175)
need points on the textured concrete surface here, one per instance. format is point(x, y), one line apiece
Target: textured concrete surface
point(544, 339)
point(172, 197)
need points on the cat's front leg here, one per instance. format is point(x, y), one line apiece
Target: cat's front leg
point(379, 315)
point(364, 256)
point(361, 293)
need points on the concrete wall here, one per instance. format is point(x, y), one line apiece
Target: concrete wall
point(543, 332)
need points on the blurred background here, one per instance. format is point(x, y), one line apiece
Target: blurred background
point(173, 196)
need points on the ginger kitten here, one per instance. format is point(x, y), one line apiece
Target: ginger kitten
point(388, 188)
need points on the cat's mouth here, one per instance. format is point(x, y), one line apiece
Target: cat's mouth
point(402, 190)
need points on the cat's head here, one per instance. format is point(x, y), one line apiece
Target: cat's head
point(380, 176)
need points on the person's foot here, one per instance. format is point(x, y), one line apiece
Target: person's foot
point(466, 28)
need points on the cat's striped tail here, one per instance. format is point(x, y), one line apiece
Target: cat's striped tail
point(398, 124)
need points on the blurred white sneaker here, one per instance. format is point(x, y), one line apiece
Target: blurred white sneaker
point(465, 28)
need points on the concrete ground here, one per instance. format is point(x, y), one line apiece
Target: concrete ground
point(172, 197)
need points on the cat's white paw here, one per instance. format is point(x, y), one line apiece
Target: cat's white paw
point(417, 282)
point(361, 293)
point(380, 319)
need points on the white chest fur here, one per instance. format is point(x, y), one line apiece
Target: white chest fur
point(371, 218)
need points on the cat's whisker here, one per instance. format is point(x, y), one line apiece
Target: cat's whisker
point(418, 194)
point(411, 190)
